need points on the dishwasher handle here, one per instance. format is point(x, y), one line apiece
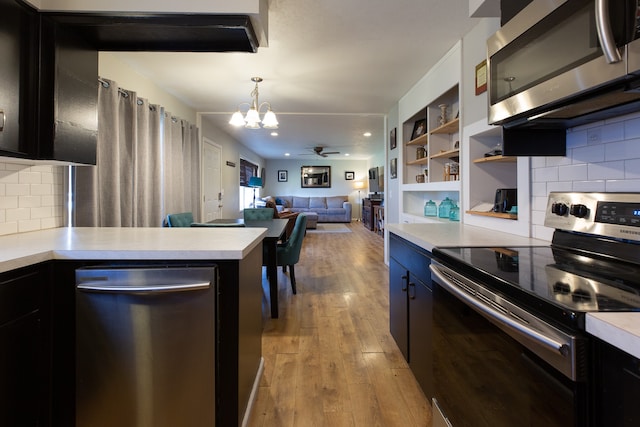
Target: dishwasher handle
point(101, 287)
point(523, 329)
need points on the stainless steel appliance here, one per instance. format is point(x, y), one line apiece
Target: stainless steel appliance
point(145, 346)
point(509, 339)
point(506, 198)
point(565, 62)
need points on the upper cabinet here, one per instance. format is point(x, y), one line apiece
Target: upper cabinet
point(18, 44)
point(48, 89)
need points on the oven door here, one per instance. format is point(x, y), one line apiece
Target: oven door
point(488, 372)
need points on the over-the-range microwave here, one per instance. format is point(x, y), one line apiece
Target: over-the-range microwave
point(560, 63)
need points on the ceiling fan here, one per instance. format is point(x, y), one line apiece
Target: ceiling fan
point(319, 151)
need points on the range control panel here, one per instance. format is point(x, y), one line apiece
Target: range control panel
point(606, 214)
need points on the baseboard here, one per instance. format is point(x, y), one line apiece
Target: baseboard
point(254, 394)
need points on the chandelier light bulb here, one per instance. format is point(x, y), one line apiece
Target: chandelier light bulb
point(252, 119)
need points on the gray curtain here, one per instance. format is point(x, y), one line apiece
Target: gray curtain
point(139, 176)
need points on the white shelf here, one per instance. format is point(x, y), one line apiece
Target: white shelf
point(433, 186)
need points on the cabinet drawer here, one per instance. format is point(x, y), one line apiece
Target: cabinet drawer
point(19, 294)
point(412, 257)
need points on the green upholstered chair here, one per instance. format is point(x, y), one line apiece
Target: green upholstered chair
point(183, 219)
point(257, 214)
point(288, 253)
point(218, 225)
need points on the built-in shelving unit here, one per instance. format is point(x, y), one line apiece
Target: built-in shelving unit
point(431, 141)
point(484, 174)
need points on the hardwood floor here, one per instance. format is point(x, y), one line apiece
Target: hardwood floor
point(329, 358)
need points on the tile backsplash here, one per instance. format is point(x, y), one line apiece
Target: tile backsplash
point(602, 156)
point(31, 197)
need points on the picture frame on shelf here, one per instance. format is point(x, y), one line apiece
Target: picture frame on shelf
point(419, 128)
point(393, 168)
point(349, 175)
point(392, 139)
point(283, 176)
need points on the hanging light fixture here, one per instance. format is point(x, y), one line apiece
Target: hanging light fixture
point(252, 119)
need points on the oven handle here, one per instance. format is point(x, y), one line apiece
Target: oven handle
point(531, 333)
point(603, 25)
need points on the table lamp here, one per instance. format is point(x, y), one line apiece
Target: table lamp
point(255, 182)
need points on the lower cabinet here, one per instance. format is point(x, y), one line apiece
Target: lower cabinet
point(410, 306)
point(24, 340)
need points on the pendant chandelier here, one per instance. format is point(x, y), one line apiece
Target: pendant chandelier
point(252, 119)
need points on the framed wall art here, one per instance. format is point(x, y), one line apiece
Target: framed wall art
point(349, 176)
point(283, 176)
point(315, 176)
point(393, 168)
point(392, 139)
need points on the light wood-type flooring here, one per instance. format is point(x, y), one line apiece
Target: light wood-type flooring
point(330, 359)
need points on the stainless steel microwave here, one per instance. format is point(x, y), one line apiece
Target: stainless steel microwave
point(561, 62)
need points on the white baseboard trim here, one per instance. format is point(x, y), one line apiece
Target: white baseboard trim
point(254, 393)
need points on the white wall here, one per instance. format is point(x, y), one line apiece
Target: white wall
point(112, 68)
point(602, 156)
point(339, 185)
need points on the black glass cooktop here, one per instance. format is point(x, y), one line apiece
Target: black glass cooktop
point(548, 278)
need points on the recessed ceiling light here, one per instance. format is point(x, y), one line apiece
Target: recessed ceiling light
point(367, 134)
point(347, 154)
point(287, 154)
point(274, 133)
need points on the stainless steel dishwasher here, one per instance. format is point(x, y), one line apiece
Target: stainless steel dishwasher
point(145, 346)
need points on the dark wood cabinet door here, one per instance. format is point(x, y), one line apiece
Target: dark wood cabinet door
point(24, 358)
point(398, 306)
point(420, 335)
point(17, 78)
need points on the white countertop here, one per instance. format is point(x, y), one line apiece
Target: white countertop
point(621, 330)
point(428, 236)
point(219, 243)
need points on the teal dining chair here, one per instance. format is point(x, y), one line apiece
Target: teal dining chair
point(183, 219)
point(258, 214)
point(288, 253)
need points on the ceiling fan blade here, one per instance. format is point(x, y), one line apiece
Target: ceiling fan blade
point(330, 152)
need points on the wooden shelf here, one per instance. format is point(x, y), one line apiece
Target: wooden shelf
point(496, 159)
point(494, 214)
point(447, 154)
point(421, 140)
point(422, 161)
point(450, 127)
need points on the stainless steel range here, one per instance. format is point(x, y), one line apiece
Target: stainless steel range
point(509, 341)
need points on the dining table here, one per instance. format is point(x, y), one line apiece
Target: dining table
point(275, 231)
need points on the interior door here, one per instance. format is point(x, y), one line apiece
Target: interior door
point(211, 181)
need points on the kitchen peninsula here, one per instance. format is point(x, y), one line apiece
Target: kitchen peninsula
point(38, 281)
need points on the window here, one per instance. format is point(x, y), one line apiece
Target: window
point(247, 170)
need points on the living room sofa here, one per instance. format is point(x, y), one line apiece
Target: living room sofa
point(329, 208)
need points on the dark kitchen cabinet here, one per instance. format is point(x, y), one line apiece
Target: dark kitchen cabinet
point(617, 385)
point(68, 92)
point(48, 88)
point(18, 77)
point(410, 307)
point(24, 340)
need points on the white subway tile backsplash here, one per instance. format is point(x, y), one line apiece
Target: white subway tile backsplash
point(588, 154)
point(632, 128)
point(31, 197)
point(606, 170)
point(545, 174)
point(559, 186)
point(573, 172)
point(589, 186)
point(632, 168)
point(576, 138)
point(539, 189)
point(610, 133)
point(627, 185)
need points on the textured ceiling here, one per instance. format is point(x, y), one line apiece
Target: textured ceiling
point(332, 70)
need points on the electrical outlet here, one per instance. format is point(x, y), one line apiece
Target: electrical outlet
point(594, 136)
